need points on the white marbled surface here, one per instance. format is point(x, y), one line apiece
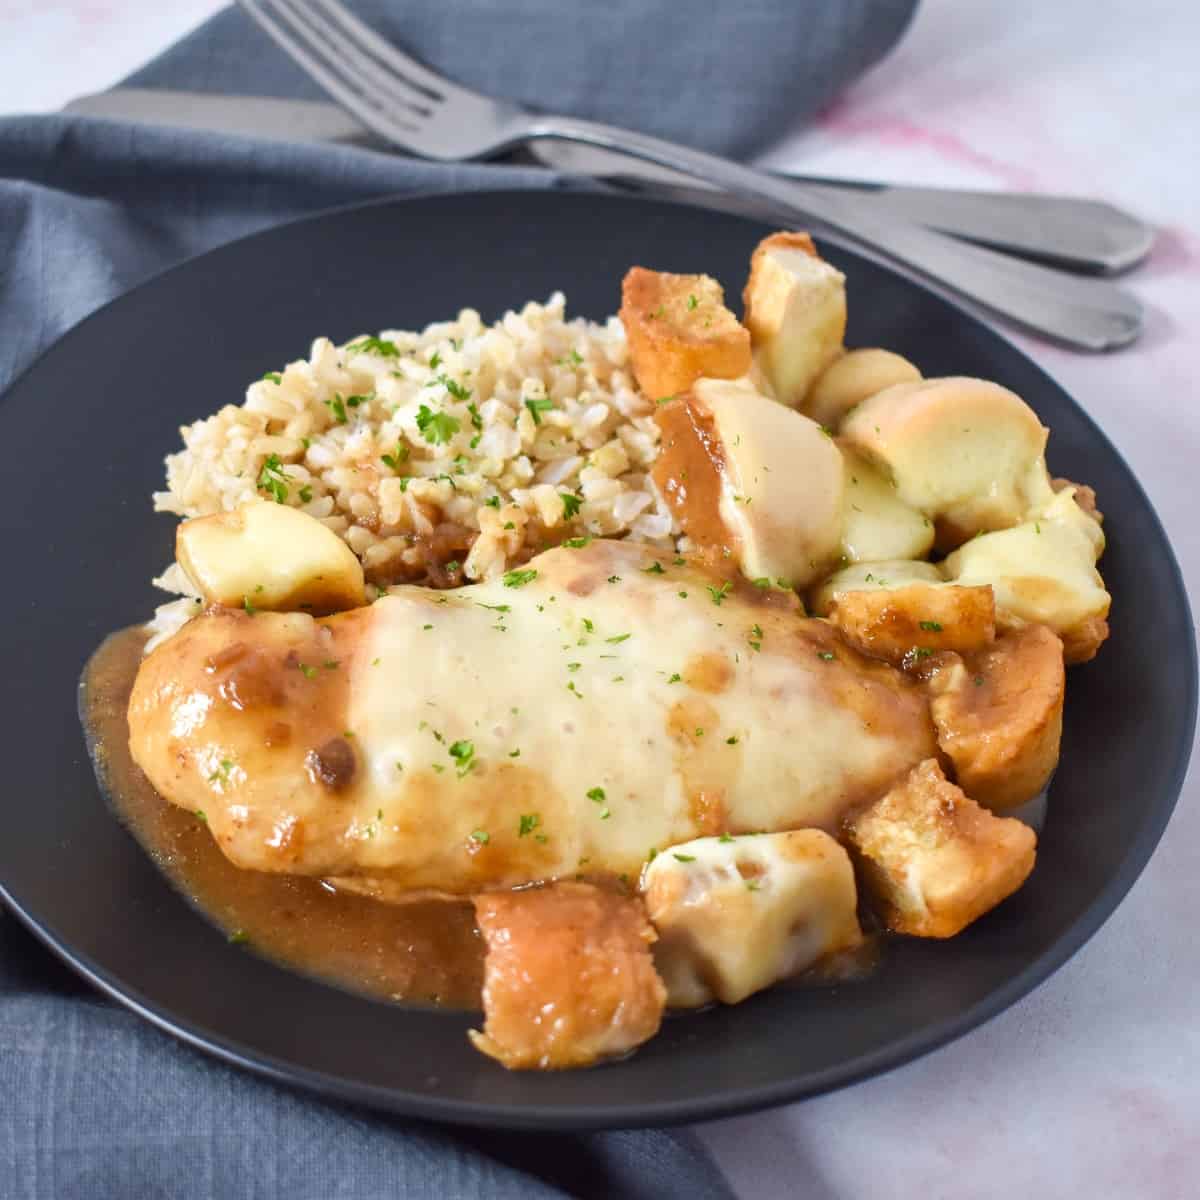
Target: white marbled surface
point(1090, 1087)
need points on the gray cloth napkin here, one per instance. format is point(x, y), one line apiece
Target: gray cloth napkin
point(93, 1102)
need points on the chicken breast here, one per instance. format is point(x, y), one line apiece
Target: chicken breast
point(597, 703)
point(568, 978)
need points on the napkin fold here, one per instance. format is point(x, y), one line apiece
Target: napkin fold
point(94, 1102)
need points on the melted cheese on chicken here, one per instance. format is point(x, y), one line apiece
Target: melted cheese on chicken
point(602, 703)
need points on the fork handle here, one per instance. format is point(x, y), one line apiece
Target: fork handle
point(1088, 314)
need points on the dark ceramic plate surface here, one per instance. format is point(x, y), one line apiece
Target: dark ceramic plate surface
point(86, 429)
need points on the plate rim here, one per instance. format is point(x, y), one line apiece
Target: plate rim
point(718, 1104)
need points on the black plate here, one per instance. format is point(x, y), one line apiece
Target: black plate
point(87, 427)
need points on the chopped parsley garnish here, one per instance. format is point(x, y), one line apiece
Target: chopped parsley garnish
point(239, 937)
point(201, 816)
point(398, 456)
point(979, 681)
point(588, 625)
point(337, 406)
point(574, 666)
point(756, 637)
point(528, 823)
point(492, 502)
point(435, 361)
point(931, 626)
point(250, 609)
point(684, 857)
point(307, 671)
point(331, 664)
point(620, 637)
point(596, 795)
point(762, 582)
point(537, 407)
point(676, 678)
point(826, 655)
point(920, 652)
point(476, 418)
point(725, 839)
point(691, 303)
point(500, 608)
point(683, 595)
point(679, 561)
point(655, 568)
point(574, 690)
point(306, 494)
point(752, 885)
point(731, 740)
point(664, 400)
point(719, 594)
point(436, 428)
point(455, 389)
point(481, 836)
point(355, 401)
point(380, 347)
point(463, 754)
point(273, 479)
point(614, 579)
point(519, 578)
point(570, 505)
point(577, 543)
point(272, 377)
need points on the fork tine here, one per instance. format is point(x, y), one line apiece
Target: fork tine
point(324, 34)
point(323, 69)
point(407, 68)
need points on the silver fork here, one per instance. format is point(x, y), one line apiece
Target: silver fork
point(422, 112)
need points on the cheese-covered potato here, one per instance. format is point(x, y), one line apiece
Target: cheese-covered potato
point(781, 483)
point(853, 378)
point(876, 524)
point(678, 330)
point(885, 575)
point(795, 306)
point(998, 714)
point(935, 859)
point(965, 452)
point(1043, 572)
point(906, 624)
point(736, 914)
point(264, 555)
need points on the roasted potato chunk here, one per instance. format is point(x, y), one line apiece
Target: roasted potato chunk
point(1043, 572)
point(998, 715)
point(795, 306)
point(736, 914)
point(269, 556)
point(781, 482)
point(965, 452)
point(886, 575)
point(935, 859)
point(903, 624)
point(568, 977)
point(679, 330)
point(856, 376)
point(876, 526)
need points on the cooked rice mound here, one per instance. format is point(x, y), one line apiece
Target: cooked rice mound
point(442, 456)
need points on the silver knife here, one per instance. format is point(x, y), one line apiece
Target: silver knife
point(1073, 233)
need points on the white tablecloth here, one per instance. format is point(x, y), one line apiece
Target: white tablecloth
point(1090, 1087)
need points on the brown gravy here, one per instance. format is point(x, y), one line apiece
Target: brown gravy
point(421, 952)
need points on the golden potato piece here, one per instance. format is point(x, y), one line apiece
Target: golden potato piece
point(965, 452)
point(853, 378)
point(795, 311)
point(679, 330)
point(568, 977)
point(876, 526)
point(998, 715)
point(903, 624)
point(1043, 572)
point(736, 914)
point(887, 574)
point(269, 556)
point(935, 859)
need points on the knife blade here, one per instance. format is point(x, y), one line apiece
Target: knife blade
point(1069, 232)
